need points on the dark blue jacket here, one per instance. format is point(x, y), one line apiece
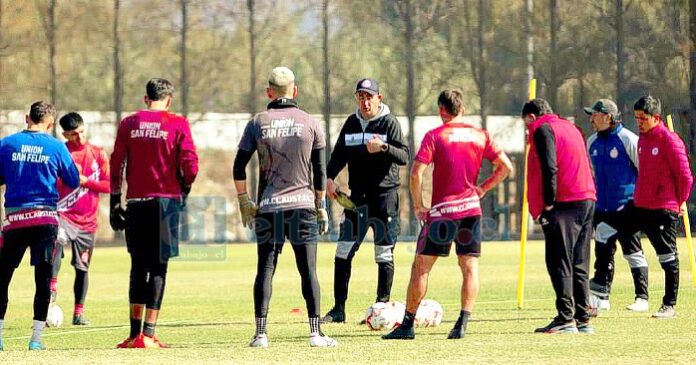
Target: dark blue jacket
point(614, 156)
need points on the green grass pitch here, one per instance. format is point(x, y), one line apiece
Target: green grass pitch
point(208, 315)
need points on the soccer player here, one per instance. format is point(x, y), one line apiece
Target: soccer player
point(562, 197)
point(155, 149)
point(456, 149)
point(78, 209)
point(614, 155)
point(369, 137)
point(664, 183)
point(290, 145)
point(31, 161)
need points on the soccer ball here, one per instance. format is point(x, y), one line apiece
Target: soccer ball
point(55, 316)
point(399, 310)
point(380, 316)
point(429, 314)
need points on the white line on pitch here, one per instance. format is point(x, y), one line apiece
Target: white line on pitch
point(62, 333)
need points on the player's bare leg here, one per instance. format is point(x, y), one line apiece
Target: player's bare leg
point(470, 289)
point(417, 287)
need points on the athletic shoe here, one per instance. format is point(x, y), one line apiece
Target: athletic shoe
point(334, 316)
point(126, 344)
point(259, 341)
point(665, 312)
point(36, 345)
point(585, 327)
point(456, 332)
point(147, 342)
point(598, 290)
point(558, 327)
point(600, 302)
point(79, 320)
point(640, 305)
point(319, 339)
point(401, 333)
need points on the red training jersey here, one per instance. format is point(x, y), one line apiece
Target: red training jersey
point(156, 150)
point(456, 150)
point(79, 206)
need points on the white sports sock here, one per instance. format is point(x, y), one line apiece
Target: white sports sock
point(38, 330)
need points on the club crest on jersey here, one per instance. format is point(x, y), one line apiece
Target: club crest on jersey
point(614, 153)
point(655, 151)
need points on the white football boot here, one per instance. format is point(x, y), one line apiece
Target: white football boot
point(321, 340)
point(259, 341)
point(640, 305)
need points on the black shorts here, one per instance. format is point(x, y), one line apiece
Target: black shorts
point(299, 226)
point(379, 211)
point(41, 241)
point(81, 244)
point(152, 229)
point(435, 238)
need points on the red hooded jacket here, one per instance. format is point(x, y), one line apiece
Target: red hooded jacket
point(664, 177)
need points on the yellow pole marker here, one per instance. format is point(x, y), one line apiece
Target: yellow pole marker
point(687, 224)
point(525, 215)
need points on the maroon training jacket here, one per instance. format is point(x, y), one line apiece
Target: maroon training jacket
point(157, 152)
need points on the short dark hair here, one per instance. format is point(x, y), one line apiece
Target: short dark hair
point(158, 89)
point(649, 105)
point(537, 107)
point(70, 121)
point(40, 110)
point(452, 100)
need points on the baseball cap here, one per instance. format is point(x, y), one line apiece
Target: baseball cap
point(281, 76)
point(605, 106)
point(367, 85)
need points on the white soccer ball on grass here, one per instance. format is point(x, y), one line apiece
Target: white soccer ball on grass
point(429, 314)
point(381, 316)
point(55, 316)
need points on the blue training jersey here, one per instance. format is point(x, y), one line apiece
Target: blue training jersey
point(30, 164)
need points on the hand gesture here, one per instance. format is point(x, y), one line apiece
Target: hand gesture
point(374, 145)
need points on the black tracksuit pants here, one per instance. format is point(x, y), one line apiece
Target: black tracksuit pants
point(611, 227)
point(567, 232)
point(660, 225)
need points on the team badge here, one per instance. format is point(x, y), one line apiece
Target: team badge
point(614, 153)
point(366, 83)
point(655, 151)
point(594, 152)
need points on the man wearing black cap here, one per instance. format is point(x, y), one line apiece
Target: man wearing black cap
point(613, 151)
point(372, 146)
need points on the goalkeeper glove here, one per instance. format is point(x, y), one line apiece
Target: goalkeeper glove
point(322, 216)
point(247, 208)
point(117, 216)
